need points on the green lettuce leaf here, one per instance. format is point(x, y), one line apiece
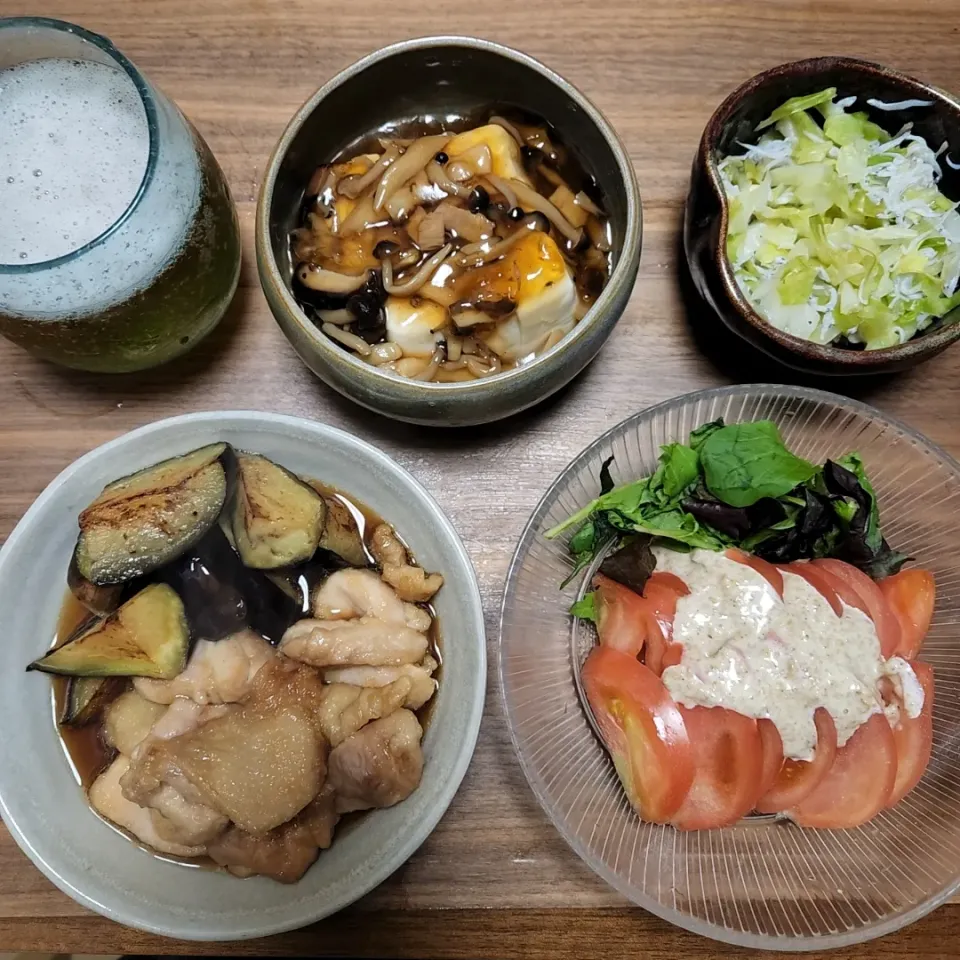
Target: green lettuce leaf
point(744, 462)
point(585, 608)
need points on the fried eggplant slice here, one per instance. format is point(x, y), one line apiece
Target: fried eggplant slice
point(299, 582)
point(86, 697)
point(143, 521)
point(341, 535)
point(276, 518)
point(100, 601)
point(146, 637)
point(221, 595)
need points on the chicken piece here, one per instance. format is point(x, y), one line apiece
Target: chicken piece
point(365, 640)
point(258, 767)
point(352, 593)
point(337, 710)
point(386, 547)
point(378, 766)
point(422, 684)
point(182, 716)
point(285, 853)
point(106, 797)
point(183, 815)
point(219, 671)
point(129, 719)
point(360, 593)
point(416, 617)
point(410, 582)
point(345, 709)
point(284, 681)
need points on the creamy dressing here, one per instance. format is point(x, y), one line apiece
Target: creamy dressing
point(749, 651)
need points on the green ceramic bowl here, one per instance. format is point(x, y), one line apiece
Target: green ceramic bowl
point(418, 77)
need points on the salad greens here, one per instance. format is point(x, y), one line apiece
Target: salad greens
point(837, 231)
point(733, 485)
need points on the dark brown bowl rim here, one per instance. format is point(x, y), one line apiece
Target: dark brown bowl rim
point(927, 343)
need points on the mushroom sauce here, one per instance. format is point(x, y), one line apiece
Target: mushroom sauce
point(450, 248)
point(749, 651)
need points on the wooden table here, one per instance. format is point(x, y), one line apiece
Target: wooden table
point(495, 879)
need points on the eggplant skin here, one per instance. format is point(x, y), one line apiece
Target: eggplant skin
point(86, 698)
point(341, 535)
point(100, 601)
point(146, 637)
point(299, 582)
point(276, 518)
point(141, 522)
point(222, 596)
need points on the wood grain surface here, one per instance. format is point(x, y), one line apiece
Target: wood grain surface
point(495, 879)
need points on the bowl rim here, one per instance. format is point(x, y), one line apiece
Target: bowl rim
point(857, 360)
point(473, 703)
point(712, 930)
point(413, 391)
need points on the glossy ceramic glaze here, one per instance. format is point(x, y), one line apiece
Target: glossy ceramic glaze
point(411, 79)
point(705, 225)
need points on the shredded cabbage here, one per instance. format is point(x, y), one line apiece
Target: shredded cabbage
point(836, 229)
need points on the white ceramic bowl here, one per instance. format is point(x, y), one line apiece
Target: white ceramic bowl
point(40, 800)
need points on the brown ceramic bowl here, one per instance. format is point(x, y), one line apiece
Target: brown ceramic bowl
point(435, 75)
point(705, 226)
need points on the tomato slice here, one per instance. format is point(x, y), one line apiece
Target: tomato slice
point(856, 589)
point(911, 595)
point(858, 784)
point(668, 580)
point(661, 593)
point(672, 655)
point(771, 750)
point(766, 570)
point(819, 580)
point(914, 738)
point(727, 765)
point(797, 779)
point(643, 729)
point(623, 621)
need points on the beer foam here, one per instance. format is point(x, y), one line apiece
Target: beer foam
point(74, 144)
point(129, 258)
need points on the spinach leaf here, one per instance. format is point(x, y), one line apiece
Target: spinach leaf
point(679, 470)
point(745, 462)
point(698, 436)
point(632, 564)
point(585, 608)
point(584, 540)
point(595, 534)
point(677, 524)
point(628, 498)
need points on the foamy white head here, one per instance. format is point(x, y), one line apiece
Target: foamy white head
point(74, 144)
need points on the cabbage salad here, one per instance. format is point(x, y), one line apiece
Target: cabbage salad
point(837, 231)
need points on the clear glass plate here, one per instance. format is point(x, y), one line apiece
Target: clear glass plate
point(761, 883)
